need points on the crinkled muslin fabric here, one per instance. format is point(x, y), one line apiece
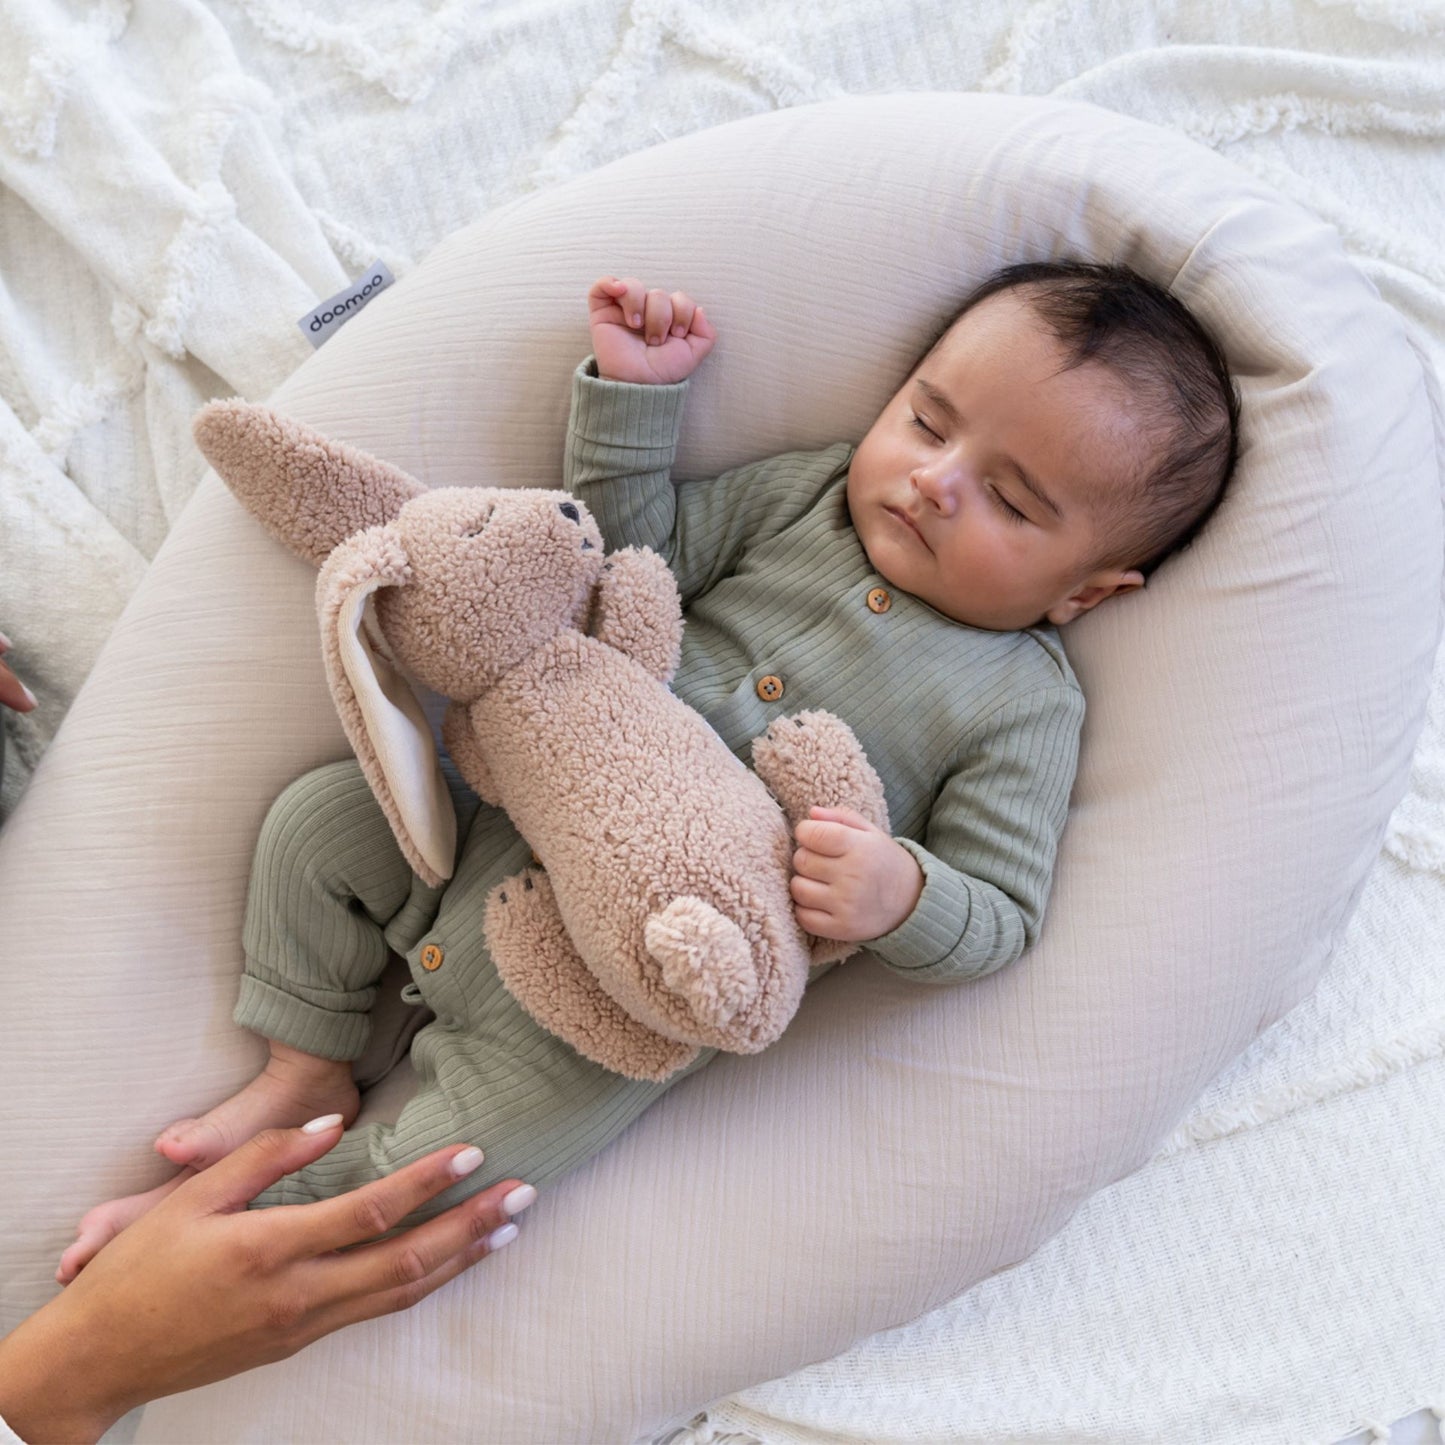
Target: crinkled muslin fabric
point(1251, 717)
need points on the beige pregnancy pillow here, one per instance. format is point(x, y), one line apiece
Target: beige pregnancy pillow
point(1250, 720)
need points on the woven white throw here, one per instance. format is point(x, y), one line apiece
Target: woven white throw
point(1278, 1272)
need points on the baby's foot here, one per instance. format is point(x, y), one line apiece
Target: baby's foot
point(105, 1221)
point(291, 1089)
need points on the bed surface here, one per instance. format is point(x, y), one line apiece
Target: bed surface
point(249, 159)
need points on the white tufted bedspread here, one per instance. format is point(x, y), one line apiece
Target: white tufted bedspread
point(180, 182)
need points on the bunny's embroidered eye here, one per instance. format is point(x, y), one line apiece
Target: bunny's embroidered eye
point(570, 511)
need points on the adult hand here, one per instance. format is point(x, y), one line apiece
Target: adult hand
point(13, 692)
point(653, 337)
point(201, 1287)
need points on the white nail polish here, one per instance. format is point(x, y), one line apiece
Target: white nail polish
point(318, 1126)
point(467, 1161)
point(519, 1199)
point(501, 1238)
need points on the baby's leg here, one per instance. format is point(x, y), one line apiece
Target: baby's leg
point(292, 1088)
point(326, 879)
point(534, 1106)
point(487, 1073)
point(100, 1225)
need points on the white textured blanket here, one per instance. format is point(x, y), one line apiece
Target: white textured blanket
point(1278, 1272)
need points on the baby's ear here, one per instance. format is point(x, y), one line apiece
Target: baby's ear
point(306, 490)
point(1099, 588)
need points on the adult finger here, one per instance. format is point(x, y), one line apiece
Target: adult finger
point(403, 1290)
point(13, 692)
point(657, 317)
point(232, 1182)
point(365, 1213)
point(475, 1227)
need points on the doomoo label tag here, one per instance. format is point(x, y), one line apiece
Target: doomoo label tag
point(333, 313)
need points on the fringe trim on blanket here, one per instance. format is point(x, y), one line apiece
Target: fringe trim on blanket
point(1379, 1433)
point(1377, 1063)
point(701, 1431)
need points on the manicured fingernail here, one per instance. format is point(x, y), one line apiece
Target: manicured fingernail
point(5, 641)
point(319, 1126)
point(636, 319)
point(29, 695)
point(467, 1161)
point(519, 1199)
point(501, 1238)
point(679, 331)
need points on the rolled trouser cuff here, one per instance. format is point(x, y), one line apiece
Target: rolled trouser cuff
point(337, 1028)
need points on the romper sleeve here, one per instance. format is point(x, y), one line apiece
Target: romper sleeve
point(621, 441)
point(991, 841)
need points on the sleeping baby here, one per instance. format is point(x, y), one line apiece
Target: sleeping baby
point(1071, 426)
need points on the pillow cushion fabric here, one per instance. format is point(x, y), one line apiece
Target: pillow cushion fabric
point(1250, 722)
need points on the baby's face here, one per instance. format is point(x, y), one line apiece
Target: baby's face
point(978, 487)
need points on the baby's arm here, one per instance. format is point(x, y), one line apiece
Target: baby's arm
point(622, 436)
point(987, 857)
point(647, 337)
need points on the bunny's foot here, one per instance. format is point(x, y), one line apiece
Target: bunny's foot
point(543, 971)
point(813, 760)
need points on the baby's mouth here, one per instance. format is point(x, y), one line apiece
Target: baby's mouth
point(907, 521)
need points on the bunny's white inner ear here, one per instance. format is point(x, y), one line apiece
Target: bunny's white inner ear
point(401, 740)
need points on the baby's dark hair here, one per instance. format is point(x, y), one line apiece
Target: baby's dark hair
point(1112, 315)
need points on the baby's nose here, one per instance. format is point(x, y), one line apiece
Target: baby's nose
point(938, 485)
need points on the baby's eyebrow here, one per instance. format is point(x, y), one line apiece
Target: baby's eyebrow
point(952, 413)
point(937, 398)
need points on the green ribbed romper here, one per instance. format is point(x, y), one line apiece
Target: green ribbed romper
point(974, 734)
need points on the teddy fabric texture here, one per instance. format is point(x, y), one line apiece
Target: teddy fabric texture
point(974, 735)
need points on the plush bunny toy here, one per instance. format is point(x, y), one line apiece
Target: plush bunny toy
point(660, 919)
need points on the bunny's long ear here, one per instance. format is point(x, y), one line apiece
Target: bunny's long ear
point(306, 490)
point(380, 712)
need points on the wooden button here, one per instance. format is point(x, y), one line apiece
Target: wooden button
point(879, 600)
point(770, 688)
point(431, 958)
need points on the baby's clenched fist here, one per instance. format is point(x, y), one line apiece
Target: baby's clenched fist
point(850, 879)
point(654, 337)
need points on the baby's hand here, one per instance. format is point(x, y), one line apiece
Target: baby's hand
point(646, 336)
point(850, 879)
